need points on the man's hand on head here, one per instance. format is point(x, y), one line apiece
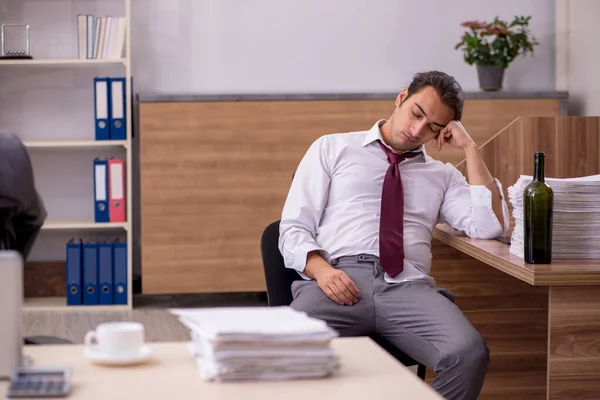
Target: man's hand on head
point(455, 135)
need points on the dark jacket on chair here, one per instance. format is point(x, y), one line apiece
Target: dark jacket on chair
point(22, 211)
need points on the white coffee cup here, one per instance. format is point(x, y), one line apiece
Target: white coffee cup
point(116, 338)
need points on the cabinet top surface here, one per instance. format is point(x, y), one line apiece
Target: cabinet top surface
point(196, 97)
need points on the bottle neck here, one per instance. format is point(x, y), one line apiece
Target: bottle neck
point(538, 171)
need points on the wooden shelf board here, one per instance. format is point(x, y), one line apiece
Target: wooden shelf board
point(60, 304)
point(76, 224)
point(42, 144)
point(62, 62)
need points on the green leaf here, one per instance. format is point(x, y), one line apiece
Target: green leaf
point(501, 49)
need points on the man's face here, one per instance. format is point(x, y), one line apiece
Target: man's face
point(418, 119)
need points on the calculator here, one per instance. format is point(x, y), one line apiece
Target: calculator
point(32, 382)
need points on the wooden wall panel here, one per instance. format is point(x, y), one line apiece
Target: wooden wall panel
point(570, 144)
point(512, 317)
point(214, 174)
point(578, 145)
point(538, 134)
point(574, 349)
point(504, 166)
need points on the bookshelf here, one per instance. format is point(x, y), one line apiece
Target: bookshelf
point(58, 304)
point(49, 103)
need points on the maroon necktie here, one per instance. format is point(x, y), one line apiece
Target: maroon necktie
point(391, 223)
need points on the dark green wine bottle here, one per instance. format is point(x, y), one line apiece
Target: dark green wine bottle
point(538, 207)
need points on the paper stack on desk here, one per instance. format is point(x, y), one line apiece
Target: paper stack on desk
point(576, 225)
point(259, 343)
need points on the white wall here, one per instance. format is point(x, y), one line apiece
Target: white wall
point(258, 46)
point(237, 46)
point(583, 68)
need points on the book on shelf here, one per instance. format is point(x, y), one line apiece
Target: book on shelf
point(96, 271)
point(109, 190)
point(110, 113)
point(100, 37)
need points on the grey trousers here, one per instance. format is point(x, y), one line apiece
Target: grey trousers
point(416, 317)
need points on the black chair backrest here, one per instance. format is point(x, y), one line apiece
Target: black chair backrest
point(8, 239)
point(22, 211)
point(278, 278)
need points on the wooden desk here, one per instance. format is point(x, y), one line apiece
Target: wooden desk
point(366, 370)
point(541, 322)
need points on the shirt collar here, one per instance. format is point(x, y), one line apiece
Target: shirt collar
point(375, 134)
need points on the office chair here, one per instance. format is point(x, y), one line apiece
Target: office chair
point(22, 211)
point(279, 281)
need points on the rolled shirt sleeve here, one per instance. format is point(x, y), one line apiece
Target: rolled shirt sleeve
point(468, 208)
point(304, 207)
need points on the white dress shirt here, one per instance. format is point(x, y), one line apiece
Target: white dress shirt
point(334, 204)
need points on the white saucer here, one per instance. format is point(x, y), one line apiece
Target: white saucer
point(98, 357)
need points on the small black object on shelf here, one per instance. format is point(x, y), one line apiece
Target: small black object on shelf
point(15, 52)
point(16, 57)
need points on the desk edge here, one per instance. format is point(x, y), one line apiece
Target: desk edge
point(477, 253)
point(537, 276)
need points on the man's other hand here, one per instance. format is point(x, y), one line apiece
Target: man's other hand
point(338, 286)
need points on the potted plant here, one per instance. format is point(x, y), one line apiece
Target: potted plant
point(493, 46)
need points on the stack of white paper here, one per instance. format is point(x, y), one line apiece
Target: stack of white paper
point(576, 226)
point(259, 343)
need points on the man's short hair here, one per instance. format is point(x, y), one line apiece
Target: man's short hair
point(449, 90)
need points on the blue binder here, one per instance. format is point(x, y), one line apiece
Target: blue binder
point(101, 213)
point(102, 108)
point(118, 111)
point(105, 273)
point(74, 265)
point(90, 273)
point(120, 272)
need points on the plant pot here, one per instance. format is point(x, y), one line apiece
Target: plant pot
point(490, 77)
